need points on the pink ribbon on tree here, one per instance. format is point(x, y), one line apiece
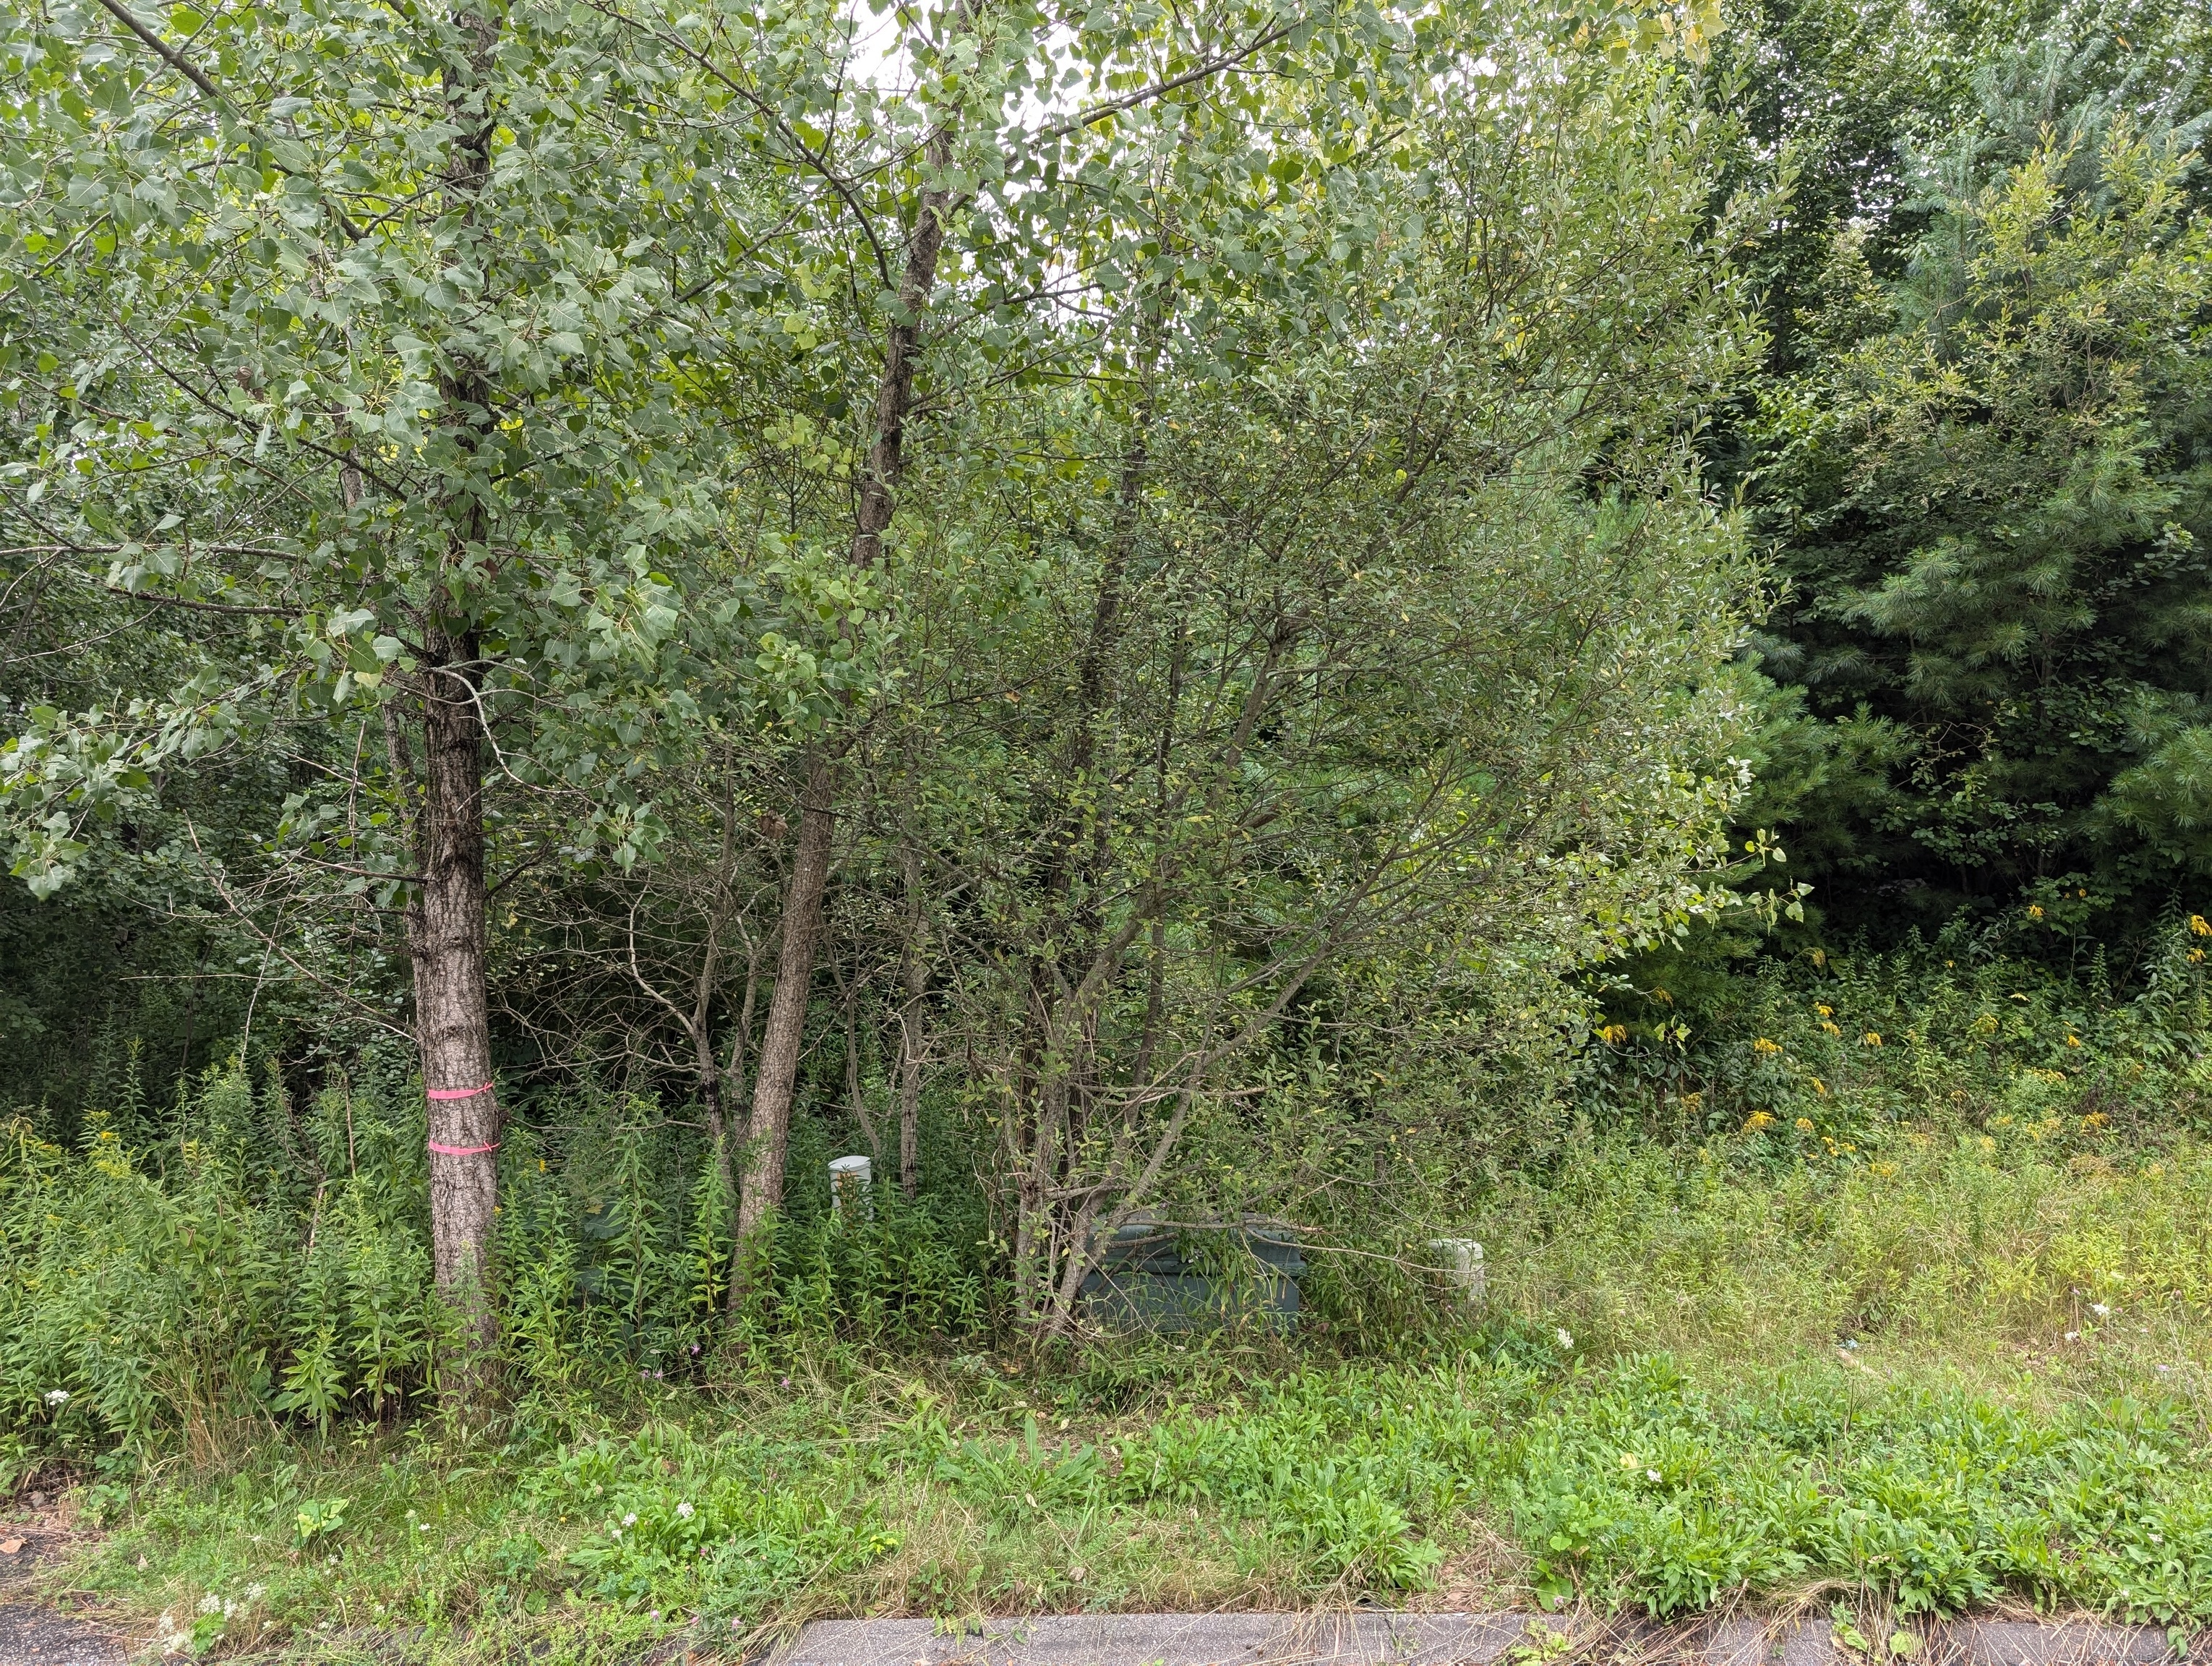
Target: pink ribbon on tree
point(458, 1093)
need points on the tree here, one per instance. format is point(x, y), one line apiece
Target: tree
point(1329, 630)
point(353, 350)
point(1995, 508)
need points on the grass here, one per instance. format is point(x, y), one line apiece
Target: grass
point(1947, 1366)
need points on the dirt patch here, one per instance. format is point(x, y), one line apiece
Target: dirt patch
point(37, 1534)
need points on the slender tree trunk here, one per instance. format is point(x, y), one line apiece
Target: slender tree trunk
point(914, 977)
point(733, 1074)
point(446, 934)
point(1068, 929)
point(768, 1136)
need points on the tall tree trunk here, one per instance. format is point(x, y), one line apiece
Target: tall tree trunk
point(445, 926)
point(768, 1136)
point(446, 934)
point(733, 1075)
point(915, 978)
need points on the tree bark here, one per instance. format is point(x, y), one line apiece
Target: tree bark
point(768, 1136)
point(445, 923)
point(452, 1026)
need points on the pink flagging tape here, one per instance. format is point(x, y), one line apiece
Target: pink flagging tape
point(455, 1092)
point(463, 1151)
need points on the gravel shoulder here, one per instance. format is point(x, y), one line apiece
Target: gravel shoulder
point(33, 1633)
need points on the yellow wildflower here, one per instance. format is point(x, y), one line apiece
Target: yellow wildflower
point(2196, 924)
point(1819, 1086)
point(1824, 1009)
point(1831, 1030)
point(2035, 911)
point(1804, 1125)
point(1763, 1045)
point(1757, 1119)
point(1870, 1039)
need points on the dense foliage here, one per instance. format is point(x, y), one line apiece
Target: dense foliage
point(1987, 469)
point(1580, 623)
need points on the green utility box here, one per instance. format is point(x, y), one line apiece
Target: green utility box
point(1167, 1275)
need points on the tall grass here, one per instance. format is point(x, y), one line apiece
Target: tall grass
point(245, 1264)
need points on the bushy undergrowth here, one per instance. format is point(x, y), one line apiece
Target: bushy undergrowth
point(1824, 1048)
point(1912, 1302)
point(253, 1264)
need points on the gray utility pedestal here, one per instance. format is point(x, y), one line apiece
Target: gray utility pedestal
point(1196, 1275)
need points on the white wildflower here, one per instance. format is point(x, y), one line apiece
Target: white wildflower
point(630, 1520)
point(1566, 1340)
point(684, 1510)
point(57, 1396)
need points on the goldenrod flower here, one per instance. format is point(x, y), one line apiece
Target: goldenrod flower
point(1763, 1045)
point(1759, 1119)
point(1870, 1039)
